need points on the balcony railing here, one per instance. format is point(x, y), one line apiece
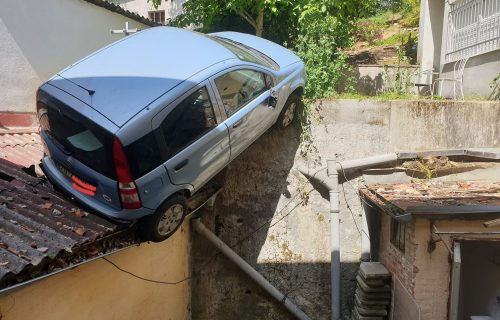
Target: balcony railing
point(473, 28)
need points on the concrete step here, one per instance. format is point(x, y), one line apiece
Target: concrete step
point(374, 270)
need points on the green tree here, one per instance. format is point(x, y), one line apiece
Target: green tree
point(206, 12)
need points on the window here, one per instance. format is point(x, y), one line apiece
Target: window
point(188, 121)
point(239, 87)
point(246, 53)
point(143, 155)
point(398, 234)
point(83, 139)
point(157, 16)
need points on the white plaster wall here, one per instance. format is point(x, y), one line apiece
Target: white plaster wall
point(479, 72)
point(39, 38)
point(172, 7)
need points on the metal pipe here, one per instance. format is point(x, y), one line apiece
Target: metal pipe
point(366, 162)
point(251, 272)
point(334, 239)
point(365, 239)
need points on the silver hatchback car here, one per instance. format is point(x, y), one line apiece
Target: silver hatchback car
point(136, 128)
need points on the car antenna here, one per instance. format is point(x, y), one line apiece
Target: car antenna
point(90, 92)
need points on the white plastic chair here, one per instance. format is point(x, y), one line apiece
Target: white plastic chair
point(458, 75)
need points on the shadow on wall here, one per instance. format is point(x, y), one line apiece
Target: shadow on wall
point(244, 214)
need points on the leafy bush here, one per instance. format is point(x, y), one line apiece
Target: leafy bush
point(411, 13)
point(367, 30)
point(320, 37)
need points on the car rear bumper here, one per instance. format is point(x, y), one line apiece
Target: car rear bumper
point(58, 179)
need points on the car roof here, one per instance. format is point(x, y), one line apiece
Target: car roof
point(131, 73)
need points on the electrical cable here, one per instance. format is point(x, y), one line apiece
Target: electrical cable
point(142, 278)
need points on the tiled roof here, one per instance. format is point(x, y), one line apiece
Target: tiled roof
point(21, 146)
point(116, 8)
point(40, 231)
point(469, 199)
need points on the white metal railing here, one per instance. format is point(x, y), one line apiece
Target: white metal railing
point(473, 28)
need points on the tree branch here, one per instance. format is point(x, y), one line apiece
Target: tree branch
point(247, 17)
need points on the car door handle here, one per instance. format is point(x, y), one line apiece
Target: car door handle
point(181, 165)
point(237, 123)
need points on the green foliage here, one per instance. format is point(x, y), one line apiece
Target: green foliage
point(368, 30)
point(320, 38)
point(411, 13)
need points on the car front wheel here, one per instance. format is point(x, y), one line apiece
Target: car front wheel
point(167, 219)
point(289, 112)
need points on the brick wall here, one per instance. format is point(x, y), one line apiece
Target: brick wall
point(400, 264)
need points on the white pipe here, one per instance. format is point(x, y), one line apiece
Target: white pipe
point(251, 272)
point(365, 240)
point(334, 239)
point(366, 162)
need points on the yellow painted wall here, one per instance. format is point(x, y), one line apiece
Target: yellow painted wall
point(98, 290)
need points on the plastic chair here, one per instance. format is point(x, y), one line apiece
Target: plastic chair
point(458, 75)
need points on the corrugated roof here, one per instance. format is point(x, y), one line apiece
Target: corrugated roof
point(21, 146)
point(116, 8)
point(38, 226)
point(439, 199)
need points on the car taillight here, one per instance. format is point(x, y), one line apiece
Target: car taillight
point(129, 196)
point(42, 113)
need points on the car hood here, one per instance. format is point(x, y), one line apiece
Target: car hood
point(282, 56)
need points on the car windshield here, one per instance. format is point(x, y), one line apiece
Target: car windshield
point(246, 53)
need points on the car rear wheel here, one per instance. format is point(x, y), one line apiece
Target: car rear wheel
point(167, 219)
point(289, 112)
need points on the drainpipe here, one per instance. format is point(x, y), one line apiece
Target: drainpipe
point(334, 239)
point(251, 272)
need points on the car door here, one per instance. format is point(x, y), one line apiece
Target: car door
point(248, 104)
point(196, 140)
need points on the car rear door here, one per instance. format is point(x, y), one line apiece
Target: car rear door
point(246, 98)
point(195, 139)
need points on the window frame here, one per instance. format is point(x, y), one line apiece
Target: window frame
point(152, 13)
point(398, 234)
point(160, 117)
point(265, 72)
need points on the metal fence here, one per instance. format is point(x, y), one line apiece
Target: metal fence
point(473, 28)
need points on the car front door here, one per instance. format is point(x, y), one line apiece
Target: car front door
point(250, 109)
point(196, 140)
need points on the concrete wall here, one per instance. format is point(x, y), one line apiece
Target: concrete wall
point(39, 38)
point(172, 8)
point(374, 79)
point(277, 217)
point(98, 290)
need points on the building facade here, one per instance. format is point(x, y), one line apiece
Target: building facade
point(453, 30)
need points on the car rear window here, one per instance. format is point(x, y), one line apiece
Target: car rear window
point(81, 138)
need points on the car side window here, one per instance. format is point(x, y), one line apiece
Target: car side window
point(188, 121)
point(238, 87)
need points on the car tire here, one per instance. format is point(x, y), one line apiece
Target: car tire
point(289, 112)
point(167, 219)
